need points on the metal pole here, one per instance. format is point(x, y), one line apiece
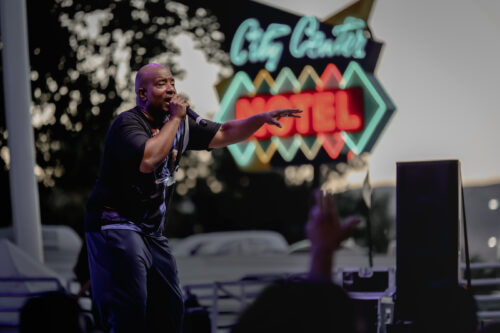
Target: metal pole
point(369, 237)
point(317, 176)
point(17, 92)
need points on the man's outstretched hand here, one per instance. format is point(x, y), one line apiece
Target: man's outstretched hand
point(273, 117)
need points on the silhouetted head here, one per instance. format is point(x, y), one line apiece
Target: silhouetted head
point(54, 312)
point(299, 307)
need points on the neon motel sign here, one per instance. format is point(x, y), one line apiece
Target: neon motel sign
point(343, 113)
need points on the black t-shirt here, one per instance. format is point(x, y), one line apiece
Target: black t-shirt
point(124, 194)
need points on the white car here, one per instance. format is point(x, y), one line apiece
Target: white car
point(251, 242)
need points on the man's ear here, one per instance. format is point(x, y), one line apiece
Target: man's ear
point(142, 94)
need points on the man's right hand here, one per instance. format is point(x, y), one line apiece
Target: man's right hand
point(177, 107)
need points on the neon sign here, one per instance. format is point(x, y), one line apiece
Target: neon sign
point(342, 113)
point(281, 60)
point(327, 111)
point(253, 44)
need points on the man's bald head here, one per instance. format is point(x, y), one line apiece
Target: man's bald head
point(154, 87)
point(144, 75)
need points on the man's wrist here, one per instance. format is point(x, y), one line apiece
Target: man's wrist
point(321, 264)
point(323, 249)
point(261, 118)
point(177, 117)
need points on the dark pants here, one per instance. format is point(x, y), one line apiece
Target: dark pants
point(134, 282)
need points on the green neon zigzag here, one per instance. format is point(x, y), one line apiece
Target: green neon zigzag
point(286, 75)
point(241, 85)
point(287, 153)
point(353, 70)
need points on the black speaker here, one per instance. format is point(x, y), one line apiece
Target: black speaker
point(428, 230)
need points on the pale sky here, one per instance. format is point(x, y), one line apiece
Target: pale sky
point(440, 65)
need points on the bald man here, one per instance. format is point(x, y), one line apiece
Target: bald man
point(133, 274)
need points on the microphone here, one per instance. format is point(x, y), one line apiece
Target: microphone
point(196, 117)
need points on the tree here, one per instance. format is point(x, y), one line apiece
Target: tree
point(83, 58)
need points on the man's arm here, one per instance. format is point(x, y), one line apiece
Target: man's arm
point(159, 146)
point(239, 130)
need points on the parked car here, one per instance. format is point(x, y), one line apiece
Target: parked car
point(234, 255)
point(348, 246)
point(251, 242)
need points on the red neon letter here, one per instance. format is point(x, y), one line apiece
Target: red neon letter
point(349, 109)
point(323, 112)
point(246, 107)
point(303, 102)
